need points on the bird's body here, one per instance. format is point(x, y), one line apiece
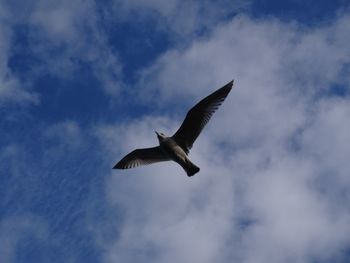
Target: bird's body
point(177, 147)
point(174, 152)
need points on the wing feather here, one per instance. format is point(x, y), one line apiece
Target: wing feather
point(199, 116)
point(140, 157)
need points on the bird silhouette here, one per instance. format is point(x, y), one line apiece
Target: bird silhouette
point(177, 147)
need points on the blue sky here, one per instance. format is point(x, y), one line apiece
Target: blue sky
point(82, 83)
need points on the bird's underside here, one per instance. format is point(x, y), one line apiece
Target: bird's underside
point(177, 147)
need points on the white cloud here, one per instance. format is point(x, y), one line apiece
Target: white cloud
point(62, 20)
point(61, 35)
point(295, 221)
point(180, 19)
point(10, 88)
point(325, 139)
point(273, 159)
point(65, 136)
point(280, 53)
point(72, 27)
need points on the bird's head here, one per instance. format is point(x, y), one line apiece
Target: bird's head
point(161, 136)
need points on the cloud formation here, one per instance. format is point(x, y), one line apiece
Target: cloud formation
point(178, 18)
point(59, 37)
point(274, 179)
point(73, 26)
point(10, 87)
point(267, 157)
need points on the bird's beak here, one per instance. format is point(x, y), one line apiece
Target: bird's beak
point(156, 133)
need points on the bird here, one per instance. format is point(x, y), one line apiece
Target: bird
point(177, 147)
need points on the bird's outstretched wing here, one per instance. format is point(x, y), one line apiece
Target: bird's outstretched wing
point(199, 116)
point(142, 157)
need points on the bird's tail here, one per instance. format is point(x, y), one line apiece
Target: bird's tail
point(190, 168)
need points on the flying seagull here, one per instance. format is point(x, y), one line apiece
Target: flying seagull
point(177, 147)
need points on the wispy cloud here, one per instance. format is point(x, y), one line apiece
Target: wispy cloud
point(179, 19)
point(50, 187)
point(61, 36)
point(72, 29)
point(16, 229)
point(11, 89)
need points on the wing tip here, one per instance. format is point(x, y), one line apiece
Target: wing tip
point(119, 165)
point(225, 90)
point(229, 85)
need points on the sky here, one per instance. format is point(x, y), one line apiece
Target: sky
point(82, 83)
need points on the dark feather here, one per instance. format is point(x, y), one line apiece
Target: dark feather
point(142, 157)
point(199, 116)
